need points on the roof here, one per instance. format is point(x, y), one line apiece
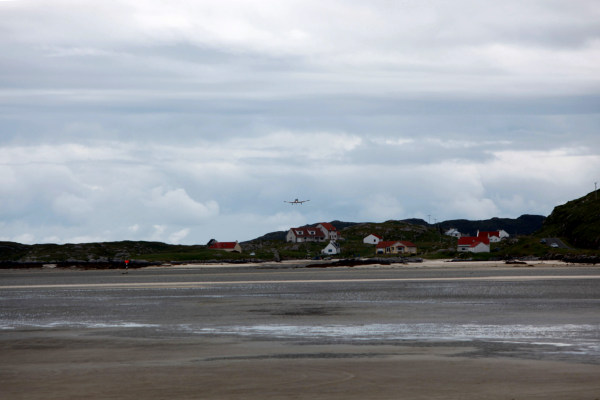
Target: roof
point(473, 241)
point(390, 243)
point(328, 226)
point(223, 245)
point(304, 232)
point(377, 236)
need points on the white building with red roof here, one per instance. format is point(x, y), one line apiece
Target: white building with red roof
point(395, 247)
point(474, 244)
point(494, 236)
point(330, 232)
point(305, 234)
point(226, 246)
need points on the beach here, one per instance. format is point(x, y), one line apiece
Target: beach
point(273, 331)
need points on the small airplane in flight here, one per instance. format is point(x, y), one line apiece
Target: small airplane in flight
point(296, 201)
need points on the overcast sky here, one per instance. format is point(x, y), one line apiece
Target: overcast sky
point(182, 121)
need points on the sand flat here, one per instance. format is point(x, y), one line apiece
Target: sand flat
point(440, 331)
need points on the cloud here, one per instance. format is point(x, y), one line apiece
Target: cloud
point(177, 206)
point(295, 48)
point(71, 207)
point(194, 193)
point(177, 237)
point(381, 207)
point(183, 121)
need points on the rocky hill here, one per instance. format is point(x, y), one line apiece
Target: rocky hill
point(280, 235)
point(577, 222)
point(105, 254)
point(524, 225)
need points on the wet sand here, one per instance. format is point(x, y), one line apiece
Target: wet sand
point(64, 366)
point(181, 343)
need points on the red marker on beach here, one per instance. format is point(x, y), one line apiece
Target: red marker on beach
point(126, 267)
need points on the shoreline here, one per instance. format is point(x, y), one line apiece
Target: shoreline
point(441, 263)
point(295, 263)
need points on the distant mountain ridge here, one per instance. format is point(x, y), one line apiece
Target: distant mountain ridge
point(524, 225)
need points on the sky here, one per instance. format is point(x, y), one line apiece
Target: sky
point(183, 121)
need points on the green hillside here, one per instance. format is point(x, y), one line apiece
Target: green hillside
point(429, 239)
point(524, 225)
point(426, 238)
point(577, 222)
point(107, 252)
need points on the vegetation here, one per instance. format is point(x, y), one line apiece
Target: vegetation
point(577, 222)
point(524, 225)
point(108, 252)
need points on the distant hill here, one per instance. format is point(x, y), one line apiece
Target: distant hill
point(105, 252)
point(280, 235)
point(391, 230)
point(524, 225)
point(416, 221)
point(577, 221)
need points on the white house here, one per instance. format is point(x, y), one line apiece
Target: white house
point(372, 239)
point(473, 244)
point(332, 248)
point(453, 232)
point(480, 247)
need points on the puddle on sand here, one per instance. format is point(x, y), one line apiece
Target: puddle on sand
point(577, 339)
point(581, 338)
point(71, 324)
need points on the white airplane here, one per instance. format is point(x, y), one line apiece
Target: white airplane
point(296, 201)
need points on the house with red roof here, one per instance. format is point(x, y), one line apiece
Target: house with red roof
point(474, 244)
point(226, 246)
point(305, 234)
point(494, 236)
point(372, 239)
point(395, 247)
point(330, 232)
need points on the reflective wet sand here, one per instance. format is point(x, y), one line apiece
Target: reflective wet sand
point(266, 332)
